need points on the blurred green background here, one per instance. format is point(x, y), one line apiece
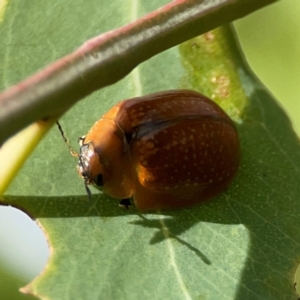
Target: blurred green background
point(270, 39)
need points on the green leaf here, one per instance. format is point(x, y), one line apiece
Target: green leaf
point(10, 283)
point(241, 245)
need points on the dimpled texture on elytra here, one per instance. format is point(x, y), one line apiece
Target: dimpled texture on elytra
point(182, 148)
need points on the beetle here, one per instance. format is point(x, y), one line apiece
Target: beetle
point(168, 150)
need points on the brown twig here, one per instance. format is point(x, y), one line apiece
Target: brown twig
point(109, 57)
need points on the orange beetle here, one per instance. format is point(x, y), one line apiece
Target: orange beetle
point(168, 150)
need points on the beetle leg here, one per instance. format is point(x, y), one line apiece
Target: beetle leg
point(125, 203)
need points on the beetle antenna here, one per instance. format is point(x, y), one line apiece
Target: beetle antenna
point(73, 153)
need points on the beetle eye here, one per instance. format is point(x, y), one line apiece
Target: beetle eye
point(99, 180)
